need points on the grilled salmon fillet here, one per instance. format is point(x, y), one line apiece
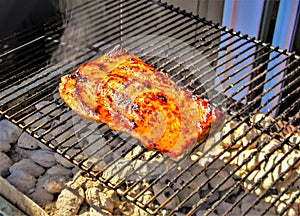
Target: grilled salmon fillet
point(130, 96)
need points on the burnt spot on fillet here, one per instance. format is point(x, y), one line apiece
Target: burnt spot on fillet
point(147, 85)
point(169, 153)
point(152, 144)
point(109, 98)
point(98, 108)
point(161, 97)
point(118, 52)
point(134, 107)
point(78, 87)
point(101, 67)
point(133, 125)
point(72, 76)
point(77, 76)
point(81, 79)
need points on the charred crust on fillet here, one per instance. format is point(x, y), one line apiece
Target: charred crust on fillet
point(133, 125)
point(152, 144)
point(161, 97)
point(81, 79)
point(97, 109)
point(72, 76)
point(169, 153)
point(134, 107)
point(102, 67)
point(147, 84)
point(76, 76)
point(119, 51)
point(109, 98)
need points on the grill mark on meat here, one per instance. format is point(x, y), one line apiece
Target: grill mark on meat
point(79, 96)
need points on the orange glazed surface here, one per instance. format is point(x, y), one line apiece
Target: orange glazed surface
point(130, 96)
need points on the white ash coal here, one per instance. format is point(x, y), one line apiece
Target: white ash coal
point(269, 166)
point(52, 181)
point(59, 187)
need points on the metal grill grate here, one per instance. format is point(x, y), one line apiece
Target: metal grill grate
point(240, 75)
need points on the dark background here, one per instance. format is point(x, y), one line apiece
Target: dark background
point(17, 15)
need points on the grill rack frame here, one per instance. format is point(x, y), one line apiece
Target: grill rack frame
point(6, 108)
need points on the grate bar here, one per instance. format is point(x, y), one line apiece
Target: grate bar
point(80, 163)
point(133, 11)
point(43, 82)
point(70, 136)
point(232, 145)
point(125, 193)
point(233, 74)
point(279, 195)
point(247, 175)
point(19, 112)
point(228, 162)
point(23, 45)
point(158, 193)
point(230, 31)
point(242, 110)
point(24, 37)
point(268, 90)
point(236, 64)
point(226, 195)
point(127, 163)
point(203, 44)
point(84, 148)
point(150, 171)
point(11, 71)
point(262, 74)
point(292, 200)
point(215, 52)
point(106, 31)
point(198, 59)
point(242, 77)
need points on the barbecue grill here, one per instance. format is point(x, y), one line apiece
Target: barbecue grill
point(254, 83)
